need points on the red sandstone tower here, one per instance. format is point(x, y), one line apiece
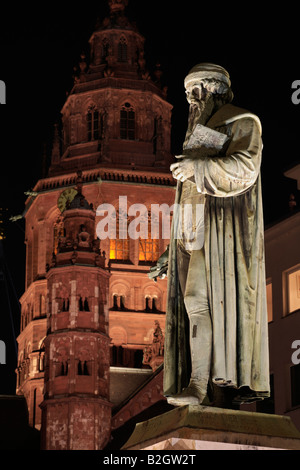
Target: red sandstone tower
point(115, 128)
point(76, 411)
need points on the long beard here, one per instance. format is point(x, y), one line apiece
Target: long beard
point(200, 113)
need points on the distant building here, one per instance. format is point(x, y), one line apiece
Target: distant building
point(2, 92)
point(282, 242)
point(2, 352)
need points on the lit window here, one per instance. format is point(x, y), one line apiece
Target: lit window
point(148, 248)
point(269, 300)
point(119, 247)
point(127, 122)
point(292, 290)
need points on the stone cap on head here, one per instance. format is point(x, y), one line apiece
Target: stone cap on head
point(207, 70)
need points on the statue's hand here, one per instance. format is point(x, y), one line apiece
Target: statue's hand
point(183, 169)
point(161, 268)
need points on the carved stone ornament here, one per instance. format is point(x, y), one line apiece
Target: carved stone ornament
point(117, 5)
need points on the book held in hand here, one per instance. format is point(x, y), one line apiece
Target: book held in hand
point(209, 141)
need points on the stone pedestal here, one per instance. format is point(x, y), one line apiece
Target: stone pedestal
point(207, 428)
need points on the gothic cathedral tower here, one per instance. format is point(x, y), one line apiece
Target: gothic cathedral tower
point(116, 131)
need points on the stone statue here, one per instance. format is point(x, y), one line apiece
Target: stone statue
point(216, 331)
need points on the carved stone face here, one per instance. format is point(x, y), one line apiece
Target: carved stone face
point(201, 100)
point(195, 93)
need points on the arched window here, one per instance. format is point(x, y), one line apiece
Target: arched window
point(82, 368)
point(93, 124)
point(105, 49)
point(122, 50)
point(83, 304)
point(61, 369)
point(127, 122)
point(65, 304)
point(119, 302)
point(86, 305)
point(151, 304)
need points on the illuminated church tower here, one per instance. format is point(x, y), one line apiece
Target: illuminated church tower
point(115, 114)
point(76, 409)
point(115, 130)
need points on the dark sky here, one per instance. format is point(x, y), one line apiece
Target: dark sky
point(40, 43)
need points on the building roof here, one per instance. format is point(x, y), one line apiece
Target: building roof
point(79, 202)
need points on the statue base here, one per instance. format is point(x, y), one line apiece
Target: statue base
point(196, 427)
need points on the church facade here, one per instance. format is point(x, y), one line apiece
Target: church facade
point(92, 321)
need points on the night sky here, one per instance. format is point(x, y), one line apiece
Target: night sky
point(41, 43)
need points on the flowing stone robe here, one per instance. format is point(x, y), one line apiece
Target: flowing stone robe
point(235, 266)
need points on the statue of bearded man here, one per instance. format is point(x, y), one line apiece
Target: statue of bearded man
point(216, 331)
